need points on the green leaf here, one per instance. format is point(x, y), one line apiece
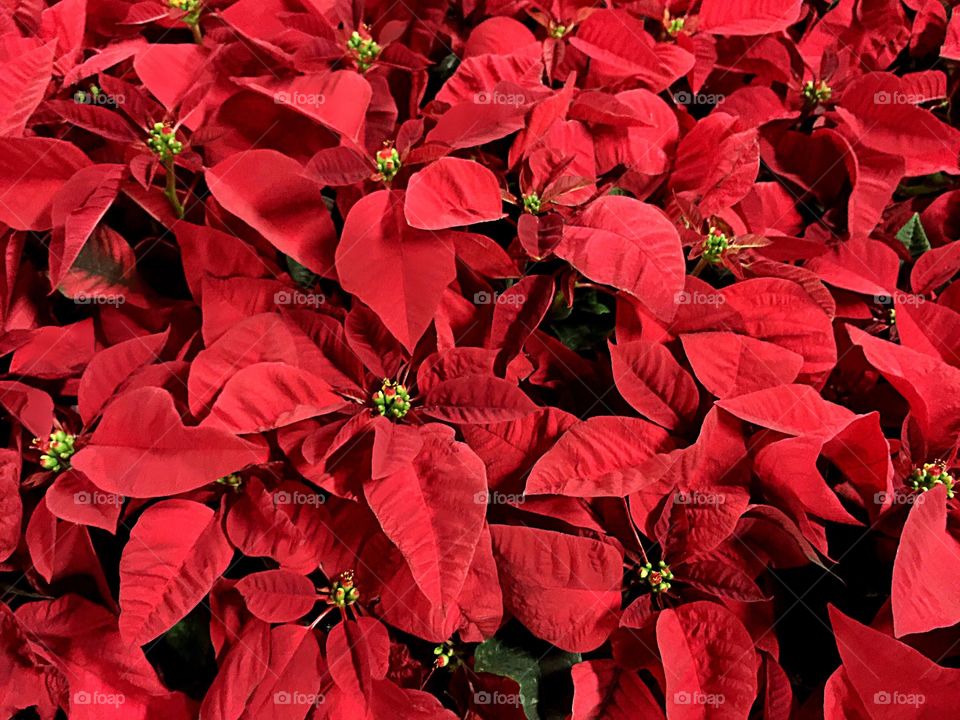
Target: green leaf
point(446, 67)
point(495, 657)
point(301, 275)
point(913, 236)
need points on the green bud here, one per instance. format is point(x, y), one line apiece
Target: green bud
point(532, 203)
point(816, 93)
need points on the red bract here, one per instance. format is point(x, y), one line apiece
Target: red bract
point(498, 361)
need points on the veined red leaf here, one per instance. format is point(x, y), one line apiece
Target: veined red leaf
point(141, 448)
point(399, 271)
point(163, 575)
point(709, 662)
point(278, 596)
point(599, 457)
point(631, 246)
point(564, 588)
point(452, 192)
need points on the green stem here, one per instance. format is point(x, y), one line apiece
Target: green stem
point(195, 29)
point(171, 190)
point(701, 264)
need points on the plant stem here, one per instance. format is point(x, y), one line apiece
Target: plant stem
point(701, 264)
point(171, 189)
point(197, 35)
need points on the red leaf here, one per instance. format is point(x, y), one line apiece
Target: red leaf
point(281, 204)
point(926, 573)
point(603, 691)
point(709, 662)
point(630, 245)
point(277, 596)
point(905, 684)
point(164, 575)
point(31, 407)
point(266, 396)
point(399, 271)
point(729, 364)
point(601, 457)
point(477, 399)
point(565, 589)
point(748, 17)
point(452, 192)
point(652, 381)
point(32, 170)
point(435, 523)
point(142, 449)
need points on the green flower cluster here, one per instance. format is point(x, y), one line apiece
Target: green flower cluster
point(444, 655)
point(58, 451)
point(929, 476)
point(675, 26)
point(532, 203)
point(343, 592)
point(392, 399)
point(817, 92)
point(163, 142)
point(659, 578)
point(232, 481)
point(388, 163)
point(365, 50)
point(715, 244)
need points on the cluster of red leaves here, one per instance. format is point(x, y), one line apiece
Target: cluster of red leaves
point(358, 358)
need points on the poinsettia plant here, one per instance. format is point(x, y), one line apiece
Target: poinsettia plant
point(487, 360)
